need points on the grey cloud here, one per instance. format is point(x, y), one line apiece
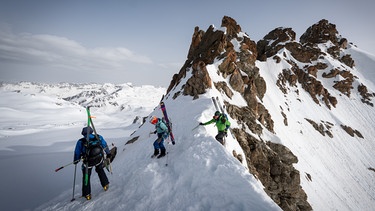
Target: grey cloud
point(46, 49)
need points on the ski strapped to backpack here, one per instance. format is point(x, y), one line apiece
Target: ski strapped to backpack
point(96, 153)
point(86, 180)
point(220, 108)
point(167, 121)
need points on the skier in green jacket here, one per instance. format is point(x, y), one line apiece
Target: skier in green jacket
point(222, 125)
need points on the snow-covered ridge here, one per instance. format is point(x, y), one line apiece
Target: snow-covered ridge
point(92, 94)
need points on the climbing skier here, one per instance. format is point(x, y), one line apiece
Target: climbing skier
point(91, 151)
point(162, 131)
point(222, 125)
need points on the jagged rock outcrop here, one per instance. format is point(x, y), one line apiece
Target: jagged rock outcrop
point(239, 66)
point(323, 32)
point(274, 41)
point(284, 38)
point(309, 52)
point(272, 164)
point(323, 128)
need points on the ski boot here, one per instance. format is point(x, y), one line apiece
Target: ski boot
point(88, 197)
point(162, 154)
point(106, 187)
point(156, 152)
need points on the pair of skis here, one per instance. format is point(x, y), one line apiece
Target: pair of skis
point(113, 151)
point(167, 120)
point(217, 104)
point(220, 108)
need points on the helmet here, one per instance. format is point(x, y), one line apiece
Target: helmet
point(216, 115)
point(154, 120)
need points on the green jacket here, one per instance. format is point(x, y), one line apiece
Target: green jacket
point(222, 123)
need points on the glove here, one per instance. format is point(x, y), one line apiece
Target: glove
point(226, 133)
point(201, 123)
point(76, 161)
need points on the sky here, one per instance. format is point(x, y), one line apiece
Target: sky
point(146, 42)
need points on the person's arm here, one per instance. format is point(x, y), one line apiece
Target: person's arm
point(77, 152)
point(227, 125)
point(104, 145)
point(209, 122)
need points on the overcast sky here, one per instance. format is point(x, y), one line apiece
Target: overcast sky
point(146, 42)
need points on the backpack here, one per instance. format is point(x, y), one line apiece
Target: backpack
point(166, 124)
point(223, 118)
point(94, 154)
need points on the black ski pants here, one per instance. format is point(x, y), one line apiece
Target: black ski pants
point(220, 137)
point(86, 189)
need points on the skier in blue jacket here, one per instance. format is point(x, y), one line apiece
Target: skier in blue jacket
point(162, 130)
point(95, 158)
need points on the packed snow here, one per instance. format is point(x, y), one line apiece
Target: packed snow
point(41, 123)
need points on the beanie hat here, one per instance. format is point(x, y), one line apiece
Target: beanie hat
point(86, 130)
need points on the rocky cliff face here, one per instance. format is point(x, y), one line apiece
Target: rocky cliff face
point(272, 163)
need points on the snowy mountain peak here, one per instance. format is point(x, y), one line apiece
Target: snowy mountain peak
point(278, 85)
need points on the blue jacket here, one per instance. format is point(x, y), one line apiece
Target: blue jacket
point(80, 149)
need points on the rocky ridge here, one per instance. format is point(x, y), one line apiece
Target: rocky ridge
point(272, 163)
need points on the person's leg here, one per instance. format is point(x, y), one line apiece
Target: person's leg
point(162, 148)
point(86, 186)
point(220, 137)
point(102, 176)
point(156, 148)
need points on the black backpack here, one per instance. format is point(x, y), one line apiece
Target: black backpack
point(94, 154)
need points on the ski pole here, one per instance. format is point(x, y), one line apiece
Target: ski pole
point(58, 169)
point(74, 181)
point(195, 127)
point(166, 162)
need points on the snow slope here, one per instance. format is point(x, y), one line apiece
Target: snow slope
point(201, 174)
